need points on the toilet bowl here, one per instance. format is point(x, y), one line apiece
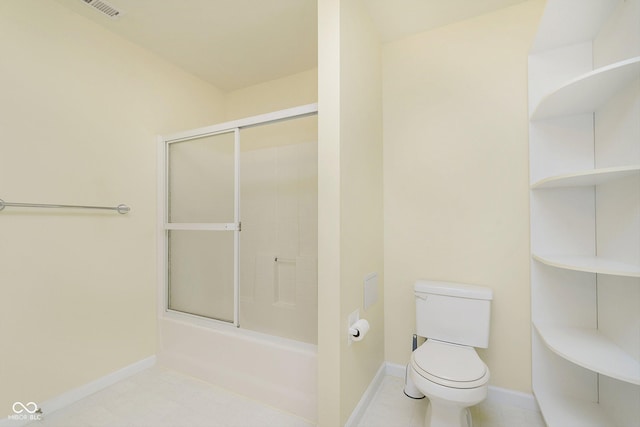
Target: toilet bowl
point(452, 377)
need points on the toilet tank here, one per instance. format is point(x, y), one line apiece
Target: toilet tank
point(453, 312)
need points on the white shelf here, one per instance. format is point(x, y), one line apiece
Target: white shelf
point(590, 264)
point(591, 350)
point(587, 178)
point(586, 93)
point(563, 411)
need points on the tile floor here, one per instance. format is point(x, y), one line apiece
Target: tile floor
point(391, 408)
point(160, 397)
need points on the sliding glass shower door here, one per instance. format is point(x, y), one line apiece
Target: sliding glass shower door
point(271, 286)
point(202, 225)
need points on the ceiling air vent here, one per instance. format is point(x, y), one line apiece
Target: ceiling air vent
point(104, 8)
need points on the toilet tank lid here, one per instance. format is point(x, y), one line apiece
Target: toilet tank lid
point(452, 289)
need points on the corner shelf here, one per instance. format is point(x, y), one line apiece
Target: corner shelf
point(586, 93)
point(587, 178)
point(589, 264)
point(592, 350)
point(562, 411)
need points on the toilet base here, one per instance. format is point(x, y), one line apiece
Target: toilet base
point(448, 407)
point(443, 414)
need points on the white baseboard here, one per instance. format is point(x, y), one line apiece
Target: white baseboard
point(367, 397)
point(515, 398)
point(72, 396)
point(496, 394)
point(395, 370)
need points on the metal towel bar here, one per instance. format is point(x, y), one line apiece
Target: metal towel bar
point(121, 209)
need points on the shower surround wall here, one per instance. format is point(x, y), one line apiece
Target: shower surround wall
point(279, 241)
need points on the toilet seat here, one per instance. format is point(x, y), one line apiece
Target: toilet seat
point(450, 365)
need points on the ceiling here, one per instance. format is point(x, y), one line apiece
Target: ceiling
point(237, 43)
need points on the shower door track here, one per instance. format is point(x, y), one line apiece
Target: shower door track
point(262, 119)
point(163, 175)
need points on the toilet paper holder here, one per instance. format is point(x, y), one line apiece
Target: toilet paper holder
point(355, 333)
point(358, 330)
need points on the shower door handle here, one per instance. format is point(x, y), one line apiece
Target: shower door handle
point(233, 226)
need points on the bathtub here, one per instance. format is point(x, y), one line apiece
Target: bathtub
point(278, 372)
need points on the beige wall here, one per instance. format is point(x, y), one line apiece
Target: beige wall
point(291, 91)
point(79, 115)
point(361, 224)
point(350, 204)
point(456, 177)
point(329, 324)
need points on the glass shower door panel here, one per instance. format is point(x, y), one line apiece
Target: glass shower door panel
point(201, 273)
point(279, 241)
point(202, 225)
point(202, 179)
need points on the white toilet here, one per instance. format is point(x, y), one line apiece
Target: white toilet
point(454, 318)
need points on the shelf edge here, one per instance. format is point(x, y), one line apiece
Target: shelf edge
point(592, 336)
point(616, 172)
point(538, 111)
point(624, 270)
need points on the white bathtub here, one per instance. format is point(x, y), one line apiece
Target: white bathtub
point(272, 370)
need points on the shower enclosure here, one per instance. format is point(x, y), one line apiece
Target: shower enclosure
point(240, 223)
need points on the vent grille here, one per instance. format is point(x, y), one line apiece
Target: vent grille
point(104, 8)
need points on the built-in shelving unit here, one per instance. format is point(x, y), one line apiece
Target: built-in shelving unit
point(587, 92)
point(584, 138)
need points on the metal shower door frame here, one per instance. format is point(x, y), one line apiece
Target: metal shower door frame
point(208, 226)
point(236, 226)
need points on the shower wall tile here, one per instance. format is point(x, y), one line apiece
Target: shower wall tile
point(286, 276)
point(306, 280)
point(265, 274)
point(307, 165)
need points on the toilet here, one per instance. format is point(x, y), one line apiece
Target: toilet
point(454, 319)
